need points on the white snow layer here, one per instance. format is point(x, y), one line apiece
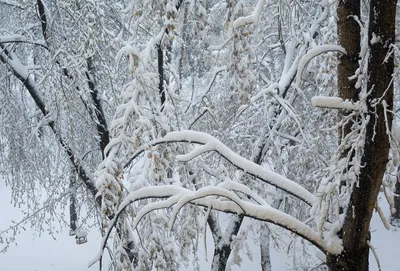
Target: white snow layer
point(333, 102)
point(313, 53)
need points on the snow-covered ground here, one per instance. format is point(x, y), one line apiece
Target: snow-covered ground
point(33, 253)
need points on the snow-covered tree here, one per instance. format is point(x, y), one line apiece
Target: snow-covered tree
point(181, 116)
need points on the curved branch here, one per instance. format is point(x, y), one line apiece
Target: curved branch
point(313, 53)
point(180, 196)
point(251, 168)
point(22, 39)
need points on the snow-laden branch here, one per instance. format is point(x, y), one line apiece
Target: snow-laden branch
point(334, 103)
point(217, 198)
point(288, 73)
point(21, 39)
point(212, 144)
point(251, 19)
point(313, 53)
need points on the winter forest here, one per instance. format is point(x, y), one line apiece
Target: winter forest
point(196, 134)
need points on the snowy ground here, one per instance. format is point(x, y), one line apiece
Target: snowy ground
point(46, 254)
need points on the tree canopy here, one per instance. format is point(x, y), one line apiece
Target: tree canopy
point(170, 118)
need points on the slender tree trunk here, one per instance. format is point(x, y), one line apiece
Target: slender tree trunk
point(396, 215)
point(222, 241)
point(73, 215)
point(264, 247)
point(363, 198)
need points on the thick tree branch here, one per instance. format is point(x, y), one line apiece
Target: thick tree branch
point(22, 39)
point(101, 123)
point(43, 20)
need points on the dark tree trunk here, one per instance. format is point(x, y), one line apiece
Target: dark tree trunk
point(396, 215)
point(101, 123)
point(376, 148)
point(160, 59)
point(222, 247)
point(349, 38)
point(73, 215)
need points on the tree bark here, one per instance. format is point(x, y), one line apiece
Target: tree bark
point(101, 123)
point(160, 64)
point(264, 248)
point(73, 215)
point(363, 198)
point(396, 215)
point(349, 38)
point(222, 246)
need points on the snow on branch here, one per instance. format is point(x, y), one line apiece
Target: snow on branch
point(251, 19)
point(217, 198)
point(313, 53)
point(19, 38)
point(212, 144)
point(334, 102)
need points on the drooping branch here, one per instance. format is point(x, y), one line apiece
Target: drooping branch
point(98, 113)
point(312, 54)
point(210, 143)
point(211, 197)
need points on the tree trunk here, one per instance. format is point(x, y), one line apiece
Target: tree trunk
point(349, 38)
point(222, 245)
point(264, 247)
point(396, 215)
point(73, 215)
point(363, 198)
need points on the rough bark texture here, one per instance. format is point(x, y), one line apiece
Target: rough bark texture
point(376, 148)
point(349, 38)
point(160, 59)
point(101, 123)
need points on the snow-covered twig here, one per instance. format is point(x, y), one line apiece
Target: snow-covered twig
point(19, 38)
point(375, 255)
point(251, 19)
